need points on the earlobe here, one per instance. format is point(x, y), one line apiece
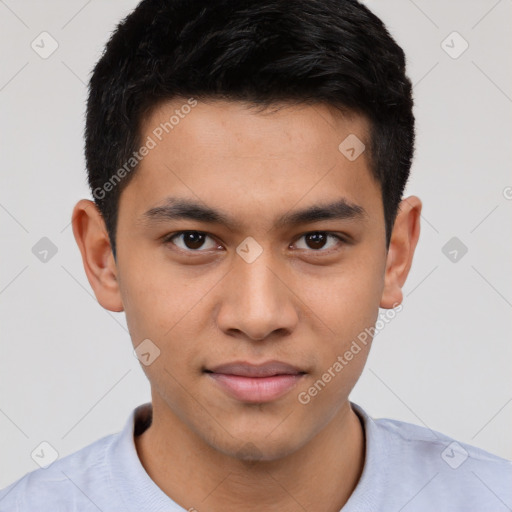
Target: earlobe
point(92, 239)
point(404, 238)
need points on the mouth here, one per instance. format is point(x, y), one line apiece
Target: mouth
point(255, 383)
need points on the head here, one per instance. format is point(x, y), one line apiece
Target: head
point(278, 136)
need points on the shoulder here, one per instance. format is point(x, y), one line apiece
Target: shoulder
point(416, 441)
point(74, 479)
point(441, 470)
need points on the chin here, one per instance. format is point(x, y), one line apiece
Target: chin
point(257, 447)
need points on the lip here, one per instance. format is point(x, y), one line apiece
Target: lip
point(256, 383)
point(266, 369)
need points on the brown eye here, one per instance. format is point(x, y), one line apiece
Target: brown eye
point(318, 241)
point(193, 240)
point(190, 241)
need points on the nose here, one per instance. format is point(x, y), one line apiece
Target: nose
point(255, 301)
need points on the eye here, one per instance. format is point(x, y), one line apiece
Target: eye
point(190, 241)
point(194, 241)
point(317, 241)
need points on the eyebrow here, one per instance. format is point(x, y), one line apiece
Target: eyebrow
point(179, 208)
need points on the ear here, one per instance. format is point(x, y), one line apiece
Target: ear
point(99, 264)
point(404, 237)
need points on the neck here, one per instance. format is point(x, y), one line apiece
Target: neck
point(320, 475)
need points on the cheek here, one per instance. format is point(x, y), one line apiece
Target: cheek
point(345, 308)
point(347, 300)
point(164, 307)
point(163, 302)
point(151, 298)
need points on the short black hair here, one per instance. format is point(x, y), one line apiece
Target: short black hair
point(260, 52)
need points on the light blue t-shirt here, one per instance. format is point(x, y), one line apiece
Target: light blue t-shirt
point(407, 468)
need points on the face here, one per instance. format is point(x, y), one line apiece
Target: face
point(248, 281)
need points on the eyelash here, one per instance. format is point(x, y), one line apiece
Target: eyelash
point(342, 240)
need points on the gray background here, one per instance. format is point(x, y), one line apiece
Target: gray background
point(67, 372)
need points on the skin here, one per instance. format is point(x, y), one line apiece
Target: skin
point(294, 303)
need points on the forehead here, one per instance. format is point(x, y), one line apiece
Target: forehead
point(232, 128)
point(232, 156)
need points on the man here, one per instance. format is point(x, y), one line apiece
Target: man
point(247, 162)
